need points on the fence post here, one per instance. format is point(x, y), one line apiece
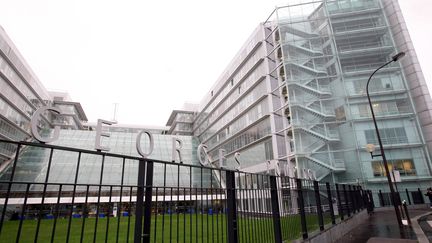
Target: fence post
point(148, 201)
point(231, 207)
point(346, 200)
point(139, 202)
point(318, 205)
point(371, 198)
point(360, 197)
point(407, 193)
point(340, 211)
point(406, 213)
point(275, 209)
point(351, 196)
point(421, 195)
point(302, 208)
point(330, 201)
point(381, 198)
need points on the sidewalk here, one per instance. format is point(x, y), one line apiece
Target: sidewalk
point(425, 224)
point(382, 225)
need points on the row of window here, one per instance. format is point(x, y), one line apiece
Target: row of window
point(241, 88)
point(395, 135)
point(383, 82)
point(254, 133)
point(13, 77)
point(184, 117)
point(11, 132)
point(245, 120)
point(7, 149)
point(13, 115)
point(404, 166)
point(344, 5)
point(384, 108)
point(14, 98)
point(231, 114)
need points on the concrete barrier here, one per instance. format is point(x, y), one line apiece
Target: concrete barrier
point(335, 232)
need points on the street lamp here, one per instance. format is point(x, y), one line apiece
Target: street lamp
point(370, 147)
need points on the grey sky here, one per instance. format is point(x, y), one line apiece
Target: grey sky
point(149, 56)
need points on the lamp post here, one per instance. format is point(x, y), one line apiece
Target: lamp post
point(370, 148)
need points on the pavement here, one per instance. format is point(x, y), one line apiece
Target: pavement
point(425, 222)
point(382, 227)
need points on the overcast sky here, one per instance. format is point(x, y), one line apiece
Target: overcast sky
point(149, 56)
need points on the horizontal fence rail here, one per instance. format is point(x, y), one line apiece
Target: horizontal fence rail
point(105, 197)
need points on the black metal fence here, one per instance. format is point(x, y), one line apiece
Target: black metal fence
point(412, 196)
point(159, 201)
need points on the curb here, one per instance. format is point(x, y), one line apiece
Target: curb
point(421, 237)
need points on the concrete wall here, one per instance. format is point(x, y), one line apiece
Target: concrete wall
point(339, 230)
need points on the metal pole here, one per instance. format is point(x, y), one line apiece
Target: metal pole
point(318, 204)
point(139, 202)
point(330, 202)
point(398, 216)
point(147, 202)
point(275, 209)
point(231, 207)
point(302, 209)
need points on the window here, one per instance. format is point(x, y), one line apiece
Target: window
point(404, 166)
point(395, 135)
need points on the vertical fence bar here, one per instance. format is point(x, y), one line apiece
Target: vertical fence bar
point(191, 206)
point(352, 198)
point(302, 208)
point(381, 198)
point(339, 202)
point(73, 197)
point(231, 207)
point(330, 202)
point(357, 198)
point(318, 205)
point(129, 214)
point(241, 216)
point(84, 213)
point(108, 215)
point(119, 208)
point(371, 198)
point(361, 197)
point(43, 195)
point(346, 200)
point(421, 196)
point(9, 187)
point(57, 210)
point(275, 209)
point(139, 202)
point(407, 193)
point(98, 199)
point(406, 213)
point(23, 212)
point(147, 202)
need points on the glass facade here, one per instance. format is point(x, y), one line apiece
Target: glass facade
point(33, 161)
point(21, 94)
point(325, 52)
point(295, 93)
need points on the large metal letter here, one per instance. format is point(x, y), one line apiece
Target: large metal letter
point(203, 148)
point(138, 143)
point(100, 134)
point(34, 124)
point(176, 150)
